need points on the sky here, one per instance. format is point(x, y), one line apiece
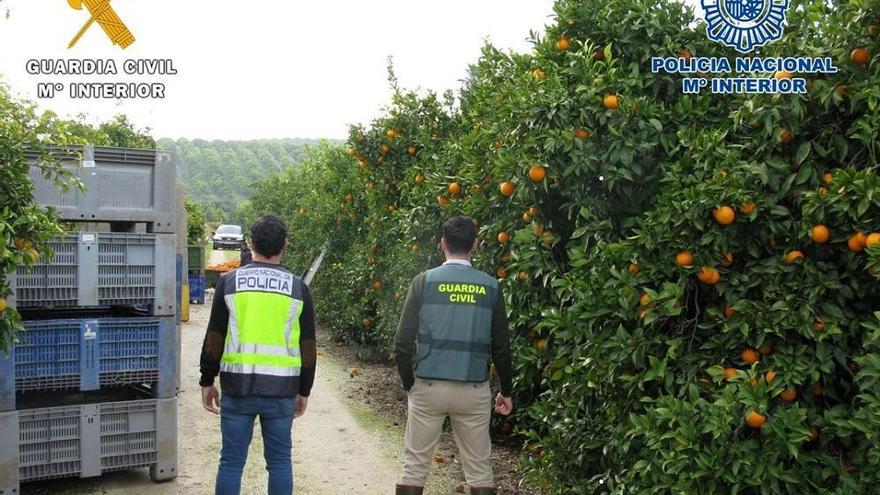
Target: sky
point(264, 68)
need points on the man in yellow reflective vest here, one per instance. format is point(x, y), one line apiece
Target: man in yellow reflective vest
point(261, 341)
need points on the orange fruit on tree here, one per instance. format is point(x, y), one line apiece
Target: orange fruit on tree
point(377, 284)
point(820, 234)
point(21, 243)
point(729, 373)
point(709, 275)
point(828, 178)
point(3, 304)
point(384, 148)
point(33, 255)
point(391, 133)
point(541, 344)
point(645, 299)
point(562, 44)
point(769, 376)
point(419, 178)
point(454, 188)
point(819, 324)
point(788, 395)
point(522, 275)
point(352, 152)
point(537, 173)
point(749, 356)
point(724, 215)
point(506, 188)
point(414, 248)
point(873, 29)
point(782, 74)
point(634, 268)
point(873, 239)
point(857, 242)
point(501, 272)
point(785, 136)
point(442, 201)
point(610, 102)
point(729, 312)
point(367, 323)
point(684, 259)
point(411, 150)
point(581, 133)
point(538, 74)
point(538, 229)
point(727, 261)
point(503, 238)
point(859, 56)
point(533, 212)
point(755, 420)
point(747, 208)
point(766, 350)
point(793, 256)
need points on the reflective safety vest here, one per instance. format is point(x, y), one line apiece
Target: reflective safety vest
point(261, 355)
point(455, 324)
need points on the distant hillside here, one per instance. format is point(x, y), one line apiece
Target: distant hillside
point(219, 174)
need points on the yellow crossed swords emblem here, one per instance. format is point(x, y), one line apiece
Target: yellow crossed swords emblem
point(105, 15)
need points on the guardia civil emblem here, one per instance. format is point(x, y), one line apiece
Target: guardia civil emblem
point(745, 24)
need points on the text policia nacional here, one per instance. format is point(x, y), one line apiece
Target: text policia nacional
point(783, 73)
point(101, 68)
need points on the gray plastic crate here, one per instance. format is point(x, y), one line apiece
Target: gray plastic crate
point(102, 269)
point(122, 185)
point(88, 440)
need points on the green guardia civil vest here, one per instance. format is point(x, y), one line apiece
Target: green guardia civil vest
point(455, 324)
point(261, 355)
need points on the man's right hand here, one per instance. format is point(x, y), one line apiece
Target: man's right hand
point(211, 399)
point(503, 405)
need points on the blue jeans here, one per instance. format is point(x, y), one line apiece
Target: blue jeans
point(237, 427)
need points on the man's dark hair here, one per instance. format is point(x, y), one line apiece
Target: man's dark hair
point(268, 235)
point(460, 234)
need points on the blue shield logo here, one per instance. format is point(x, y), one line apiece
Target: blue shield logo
point(745, 24)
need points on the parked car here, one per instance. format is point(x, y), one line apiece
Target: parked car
point(228, 236)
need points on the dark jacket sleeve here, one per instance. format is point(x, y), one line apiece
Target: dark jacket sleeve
point(501, 346)
point(215, 337)
point(307, 344)
point(407, 331)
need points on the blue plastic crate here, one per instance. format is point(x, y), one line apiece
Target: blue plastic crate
point(197, 289)
point(87, 354)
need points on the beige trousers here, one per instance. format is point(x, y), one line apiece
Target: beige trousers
point(468, 406)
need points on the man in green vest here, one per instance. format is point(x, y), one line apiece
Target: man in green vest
point(454, 318)
point(261, 341)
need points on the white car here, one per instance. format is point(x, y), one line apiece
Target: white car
point(228, 236)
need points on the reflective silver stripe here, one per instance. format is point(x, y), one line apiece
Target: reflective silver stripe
point(258, 369)
point(292, 316)
point(232, 334)
point(265, 349)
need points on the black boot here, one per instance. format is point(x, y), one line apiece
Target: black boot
point(408, 490)
point(482, 491)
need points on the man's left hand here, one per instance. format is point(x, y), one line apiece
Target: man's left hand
point(211, 399)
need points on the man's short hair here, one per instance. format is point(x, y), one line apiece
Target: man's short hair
point(268, 235)
point(460, 234)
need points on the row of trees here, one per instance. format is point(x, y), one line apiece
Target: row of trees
point(691, 281)
point(219, 174)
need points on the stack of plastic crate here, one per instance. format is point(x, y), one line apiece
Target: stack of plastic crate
point(196, 264)
point(91, 384)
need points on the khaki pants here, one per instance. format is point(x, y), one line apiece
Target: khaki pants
point(468, 406)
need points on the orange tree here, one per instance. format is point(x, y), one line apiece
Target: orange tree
point(691, 279)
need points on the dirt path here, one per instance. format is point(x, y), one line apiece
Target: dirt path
point(334, 453)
